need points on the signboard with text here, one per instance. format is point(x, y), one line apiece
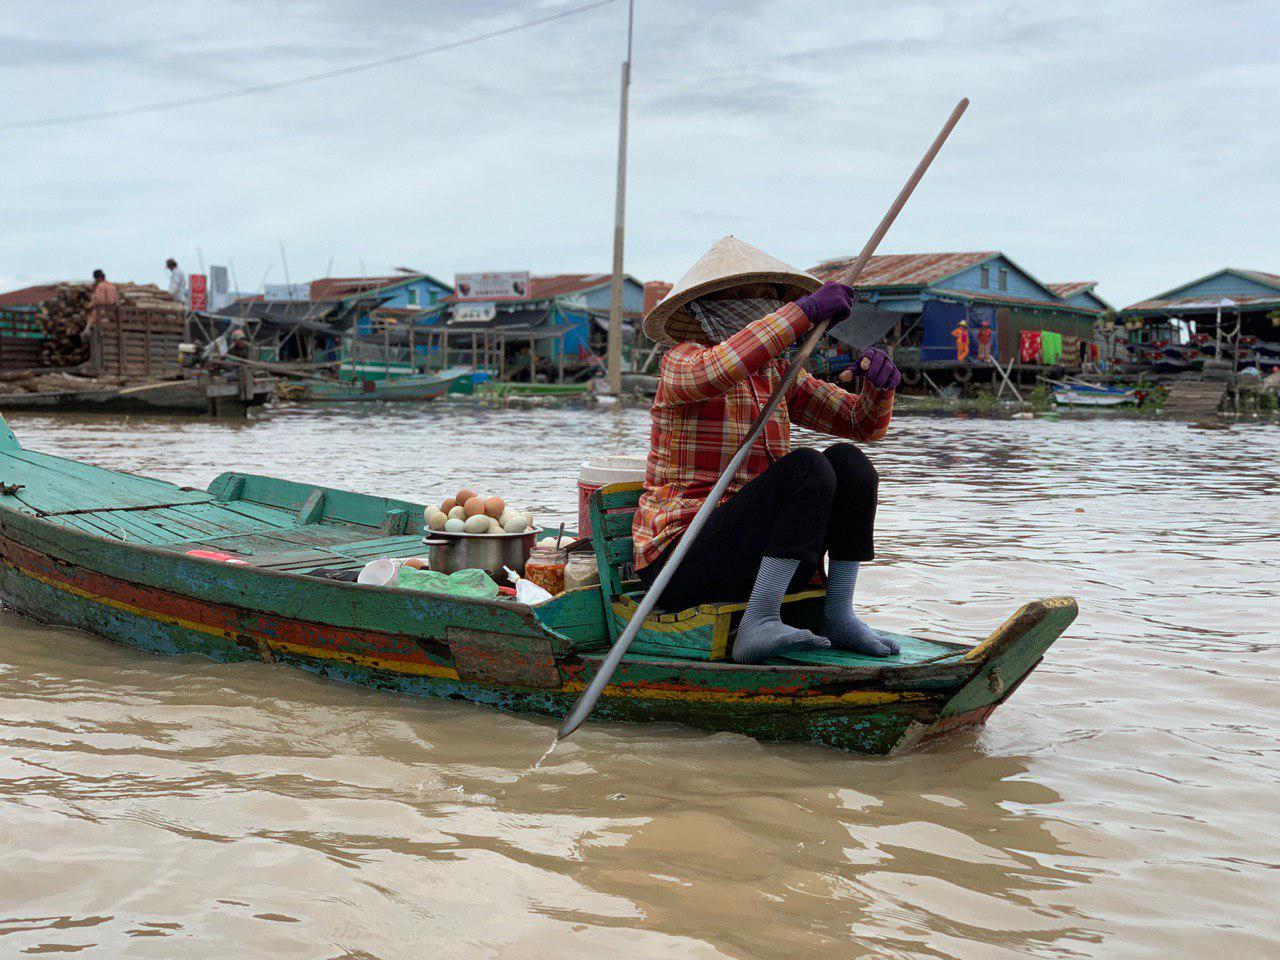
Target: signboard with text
point(474, 312)
point(491, 287)
point(199, 286)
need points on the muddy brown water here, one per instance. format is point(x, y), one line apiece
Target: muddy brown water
point(1122, 804)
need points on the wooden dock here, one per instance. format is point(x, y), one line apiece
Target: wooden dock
point(1194, 399)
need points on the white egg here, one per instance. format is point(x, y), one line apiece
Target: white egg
point(507, 514)
point(458, 513)
point(453, 525)
point(515, 524)
point(477, 524)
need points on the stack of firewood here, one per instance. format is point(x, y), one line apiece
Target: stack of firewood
point(65, 314)
point(64, 317)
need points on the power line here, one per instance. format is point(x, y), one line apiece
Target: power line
point(294, 81)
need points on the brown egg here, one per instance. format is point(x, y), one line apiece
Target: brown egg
point(474, 506)
point(494, 507)
point(464, 495)
point(448, 504)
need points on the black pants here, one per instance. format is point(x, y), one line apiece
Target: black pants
point(806, 504)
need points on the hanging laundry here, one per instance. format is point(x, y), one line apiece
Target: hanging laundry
point(1029, 346)
point(1050, 347)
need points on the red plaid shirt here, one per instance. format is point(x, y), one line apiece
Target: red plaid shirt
point(707, 399)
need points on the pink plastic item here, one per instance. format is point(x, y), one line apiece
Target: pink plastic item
point(216, 555)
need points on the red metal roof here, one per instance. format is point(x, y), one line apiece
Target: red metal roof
point(562, 284)
point(29, 296)
point(1072, 287)
point(336, 288)
point(1174, 304)
point(1271, 279)
point(905, 269)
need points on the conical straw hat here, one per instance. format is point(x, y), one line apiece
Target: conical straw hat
point(727, 264)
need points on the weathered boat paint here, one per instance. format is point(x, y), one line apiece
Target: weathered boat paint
point(58, 567)
point(409, 387)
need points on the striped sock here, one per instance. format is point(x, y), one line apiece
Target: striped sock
point(772, 580)
point(761, 632)
point(842, 626)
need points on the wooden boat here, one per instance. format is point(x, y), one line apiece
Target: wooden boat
point(201, 396)
point(109, 553)
point(421, 386)
point(1089, 395)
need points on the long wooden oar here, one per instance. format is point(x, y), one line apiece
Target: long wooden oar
point(582, 709)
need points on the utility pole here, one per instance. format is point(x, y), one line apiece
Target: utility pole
point(619, 220)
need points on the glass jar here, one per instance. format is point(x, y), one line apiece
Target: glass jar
point(545, 567)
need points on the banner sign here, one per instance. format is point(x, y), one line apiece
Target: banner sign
point(293, 292)
point(219, 288)
point(199, 286)
point(474, 312)
point(511, 285)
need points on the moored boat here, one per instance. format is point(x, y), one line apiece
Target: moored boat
point(421, 386)
point(1077, 395)
point(110, 553)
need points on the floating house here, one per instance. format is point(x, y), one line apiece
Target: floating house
point(549, 324)
point(940, 293)
point(1231, 313)
point(408, 293)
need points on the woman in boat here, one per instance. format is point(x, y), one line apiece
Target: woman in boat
point(728, 321)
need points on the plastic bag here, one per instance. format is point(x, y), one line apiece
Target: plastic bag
point(474, 584)
point(526, 590)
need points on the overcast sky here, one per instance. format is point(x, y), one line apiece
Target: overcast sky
point(1135, 144)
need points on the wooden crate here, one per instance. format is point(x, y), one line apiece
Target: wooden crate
point(22, 339)
point(140, 343)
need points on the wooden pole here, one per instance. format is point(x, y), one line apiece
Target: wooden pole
point(619, 220)
point(582, 709)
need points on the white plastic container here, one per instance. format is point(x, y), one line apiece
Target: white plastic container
point(600, 472)
point(380, 573)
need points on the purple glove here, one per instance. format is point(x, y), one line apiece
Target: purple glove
point(878, 370)
point(831, 301)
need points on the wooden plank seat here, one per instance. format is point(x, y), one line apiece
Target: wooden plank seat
point(704, 632)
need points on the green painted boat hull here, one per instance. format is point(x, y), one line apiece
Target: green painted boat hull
point(105, 552)
point(418, 387)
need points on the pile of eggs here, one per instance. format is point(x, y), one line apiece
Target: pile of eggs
point(469, 512)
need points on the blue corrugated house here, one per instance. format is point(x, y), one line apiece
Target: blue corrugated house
point(1239, 307)
point(566, 314)
point(938, 292)
point(405, 291)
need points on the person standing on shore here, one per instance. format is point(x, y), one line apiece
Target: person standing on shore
point(177, 282)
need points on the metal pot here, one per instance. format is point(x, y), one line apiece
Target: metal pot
point(490, 552)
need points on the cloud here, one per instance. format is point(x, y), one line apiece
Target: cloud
point(1109, 142)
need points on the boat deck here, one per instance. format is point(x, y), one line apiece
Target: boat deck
point(272, 532)
point(272, 524)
